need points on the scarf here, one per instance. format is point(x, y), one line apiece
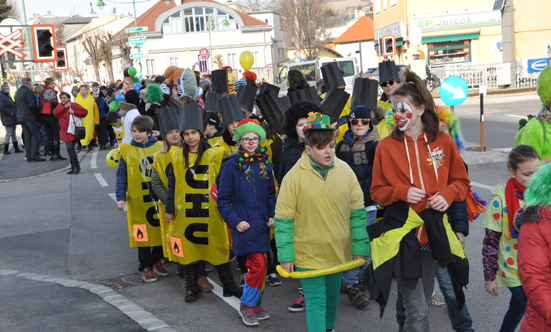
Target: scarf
point(544, 115)
point(245, 159)
point(512, 199)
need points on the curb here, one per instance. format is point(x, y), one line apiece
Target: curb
point(145, 319)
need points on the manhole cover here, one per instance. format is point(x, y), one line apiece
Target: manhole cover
point(111, 285)
point(133, 279)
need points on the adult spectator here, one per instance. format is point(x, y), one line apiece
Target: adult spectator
point(48, 102)
point(27, 115)
point(420, 67)
point(8, 115)
point(296, 81)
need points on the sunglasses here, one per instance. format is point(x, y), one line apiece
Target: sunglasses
point(355, 122)
point(391, 82)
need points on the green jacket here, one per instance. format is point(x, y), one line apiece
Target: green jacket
point(536, 133)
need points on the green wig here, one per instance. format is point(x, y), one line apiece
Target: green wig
point(544, 86)
point(154, 93)
point(539, 190)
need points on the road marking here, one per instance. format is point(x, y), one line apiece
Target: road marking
point(101, 180)
point(233, 301)
point(480, 185)
point(94, 160)
point(114, 197)
point(516, 116)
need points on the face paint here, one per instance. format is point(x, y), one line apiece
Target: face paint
point(403, 122)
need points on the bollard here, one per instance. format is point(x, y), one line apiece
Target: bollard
point(481, 121)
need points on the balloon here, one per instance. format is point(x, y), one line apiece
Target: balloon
point(320, 272)
point(120, 97)
point(136, 80)
point(246, 59)
point(112, 158)
point(132, 71)
point(114, 106)
point(137, 87)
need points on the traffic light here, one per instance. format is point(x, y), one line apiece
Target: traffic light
point(44, 43)
point(389, 45)
point(62, 62)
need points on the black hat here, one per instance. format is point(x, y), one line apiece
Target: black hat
point(219, 81)
point(168, 116)
point(160, 79)
point(212, 118)
point(271, 106)
point(246, 95)
point(212, 101)
point(306, 94)
point(229, 108)
point(286, 103)
point(334, 102)
point(332, 75)
point(388, 71)
point(266, 87)
point(191, 117)
point(365, 93)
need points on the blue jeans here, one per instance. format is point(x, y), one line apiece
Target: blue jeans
point(355, 275)
point(517, 307)
point(460, 319)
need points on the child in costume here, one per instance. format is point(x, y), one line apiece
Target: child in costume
point(231, 115)
point(357, 149)
point(537, 130)
point(320, 221)
point(417, 174)
point(246, 201)
point(534, 256)
point(197, 231)
point(500, 245)
point(133, 175)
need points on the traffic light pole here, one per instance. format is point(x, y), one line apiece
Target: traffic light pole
point(28, 37)
point(136, 25)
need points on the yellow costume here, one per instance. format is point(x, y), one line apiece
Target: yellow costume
point(91, 119)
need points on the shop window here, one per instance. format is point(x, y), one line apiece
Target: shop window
point(197, 19)
point(449, 52)
point(203, 64)
point(377, 6)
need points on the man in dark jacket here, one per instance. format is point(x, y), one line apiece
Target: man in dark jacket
point(27, 115)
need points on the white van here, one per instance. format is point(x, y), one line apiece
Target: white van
point(312, 73)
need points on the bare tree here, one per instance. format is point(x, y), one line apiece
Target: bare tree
point(15, 9)
point(249, 6)
point(76, 71)
point(59, 30)
point(120, 42)
point(91, 41)
point(106, 51)
point(314, 21)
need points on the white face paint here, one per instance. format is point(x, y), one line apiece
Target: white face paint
point(403, 115)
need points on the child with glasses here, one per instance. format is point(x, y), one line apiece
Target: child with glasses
point(246, 201)
point(357, 149)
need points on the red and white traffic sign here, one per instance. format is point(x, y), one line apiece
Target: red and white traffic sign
point(204, 53)
point(10, 42)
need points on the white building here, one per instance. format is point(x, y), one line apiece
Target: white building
point(358, 41)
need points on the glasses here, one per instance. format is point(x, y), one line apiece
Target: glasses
point(246, 140)
point(391, 82)
point(355, 122)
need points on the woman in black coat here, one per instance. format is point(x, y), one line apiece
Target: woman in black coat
point(8, 115)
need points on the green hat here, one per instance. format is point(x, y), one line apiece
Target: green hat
point(318, 121)
point(248, 126)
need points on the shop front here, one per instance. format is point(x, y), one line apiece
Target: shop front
point(449, 49)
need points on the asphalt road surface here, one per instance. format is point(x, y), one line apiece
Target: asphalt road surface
point(61, 235)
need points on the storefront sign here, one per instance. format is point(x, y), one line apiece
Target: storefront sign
point(397, 29)
point(456, 21)
point(537, 65)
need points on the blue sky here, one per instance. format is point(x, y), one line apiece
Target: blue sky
point(82, 7)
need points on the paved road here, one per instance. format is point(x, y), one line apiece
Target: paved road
point(61, 235)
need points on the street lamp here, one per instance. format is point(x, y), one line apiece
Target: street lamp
point(226, 24)
point(101, 4)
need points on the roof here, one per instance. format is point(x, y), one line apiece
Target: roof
point(148, 18)
point(78, 20)
point(50, 20)
point(361, 30)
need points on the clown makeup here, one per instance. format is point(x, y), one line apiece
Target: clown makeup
point(403, 115)
point(525, 171)
point(303, 122)
point(250, 141)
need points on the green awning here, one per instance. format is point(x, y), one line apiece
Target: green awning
point(436, 39)
point(400, 43)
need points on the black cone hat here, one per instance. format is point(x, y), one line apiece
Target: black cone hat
point(168, 116)
point(388, 71)
point(230, 109)
point(212, 101)
point(306, 94)
point(334, 102)
point(332, 75)
point(271, 106)
point(191, 117)
point(266, 87)
point(364, 93)
point(246, 95)
point(219, 81)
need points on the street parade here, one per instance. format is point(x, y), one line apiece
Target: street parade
point(328, 192)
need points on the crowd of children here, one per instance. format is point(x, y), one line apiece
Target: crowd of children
point(335, 188)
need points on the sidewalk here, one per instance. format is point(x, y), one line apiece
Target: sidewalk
point(490, 156)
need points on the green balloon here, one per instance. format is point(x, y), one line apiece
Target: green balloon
point(114, 106)
point(132, 71)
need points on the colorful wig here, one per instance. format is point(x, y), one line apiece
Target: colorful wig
point(544, 86)
point(447, 116)
point(389, 116)
point(539, 190)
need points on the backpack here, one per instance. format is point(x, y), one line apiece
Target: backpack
point(74, 91)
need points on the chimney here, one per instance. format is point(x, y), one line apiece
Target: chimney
point(36, 15)
point(49, 13)
point(93, 14)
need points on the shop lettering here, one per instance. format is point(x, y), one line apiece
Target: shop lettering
point(444, 22)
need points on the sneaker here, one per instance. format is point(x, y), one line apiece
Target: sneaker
point(242, 281)
point(248, 315)
point(205, 285)
point(273, 279)
point(261, 314)
point(357, 296)
point(148, 275)
point(299, 304)
point(160, 270)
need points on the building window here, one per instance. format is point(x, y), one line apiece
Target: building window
point(548, 49)
point(377, 6)
point(150, 67)
point(173, 61)
point(393, 3)
point(256, 59)
point(384, 5)
point(197, 20)
point(449, 52)
point(232, 60)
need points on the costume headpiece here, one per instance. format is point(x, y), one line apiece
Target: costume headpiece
point(447, 116)
point(332, 75)
point(191, 117)
point(365, 93)
point(318, 121)
point(271, 106)
point(168, 115)
point(229, 108)
point(219, 81)
point(246, 95)
point(247, 126)
point(388, 71)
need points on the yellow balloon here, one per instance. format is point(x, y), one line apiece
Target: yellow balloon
point(112, 158)
point(246, 59)
point(320, 272)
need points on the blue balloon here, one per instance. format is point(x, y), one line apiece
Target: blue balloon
point(137, 87)
point(120, 97)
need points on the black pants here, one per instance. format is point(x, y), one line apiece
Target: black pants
point(111, 133)
point(149, 256)
point(51, 125)
point(72, 154)
point(31, 132)
point(101, 131)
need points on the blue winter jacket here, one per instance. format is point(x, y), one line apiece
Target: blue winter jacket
point(103, 108)
point(252, 201)
point(458, 217)
point(122, 177)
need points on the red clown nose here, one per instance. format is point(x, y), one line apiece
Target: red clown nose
point(397, 117)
